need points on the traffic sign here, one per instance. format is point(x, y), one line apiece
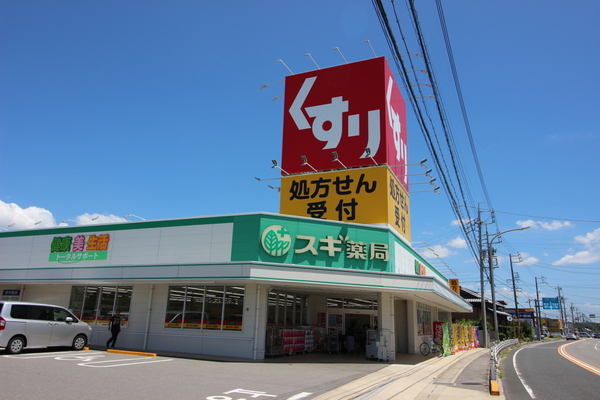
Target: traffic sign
point(550, 303)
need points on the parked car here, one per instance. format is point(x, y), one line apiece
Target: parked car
point(40, 325)
point(596, 335)
point(584, 335)
point(571, 336)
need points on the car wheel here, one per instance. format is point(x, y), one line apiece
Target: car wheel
point(79, 342)
point(15, 345)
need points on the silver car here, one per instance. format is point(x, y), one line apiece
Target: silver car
point(40, 325)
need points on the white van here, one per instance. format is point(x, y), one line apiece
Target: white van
point(40, 325)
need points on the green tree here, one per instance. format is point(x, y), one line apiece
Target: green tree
point(526, 330)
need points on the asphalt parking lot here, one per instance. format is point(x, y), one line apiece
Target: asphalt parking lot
point(65, 375)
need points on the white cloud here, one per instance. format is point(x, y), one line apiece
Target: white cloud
point(590, 238)
point(457, 222)
point(441, 251)
point(13, 217)
point(592, 306)
point(590, 255)
point(437, 251)
point(549, 226)
point(458, 243)
point(524, 259)
point(581, 257)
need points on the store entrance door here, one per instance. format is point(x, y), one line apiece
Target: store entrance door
point(359, 323)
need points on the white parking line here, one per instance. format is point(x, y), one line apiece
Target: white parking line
point(88, 359)
point(50, 355)
point(125, 362)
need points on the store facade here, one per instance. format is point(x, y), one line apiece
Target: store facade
point(226, 285)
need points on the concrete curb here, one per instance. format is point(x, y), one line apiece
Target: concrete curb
point(133, 353)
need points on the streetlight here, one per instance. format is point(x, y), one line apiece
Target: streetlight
point(131, 215)
point(490, 255)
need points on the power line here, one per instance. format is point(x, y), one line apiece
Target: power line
point(422, 116)
point(461, 99)
point(551, 218)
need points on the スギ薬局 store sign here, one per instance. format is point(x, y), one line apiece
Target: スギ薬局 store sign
point(347, 109)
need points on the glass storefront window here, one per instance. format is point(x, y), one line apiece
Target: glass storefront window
point(280, 308)
point(444, 316)
point(234, 308)
point(193, 317)
point(358, 304)
point(301, 309)
point(123, 303)
point(175, 302)
point(90, 304)
point(335, 303)
point(76, 300)
point(96, 304)
point(287, 309)
point(424, 319)
point(205, 307)
point(107, 304)
point(352, 304)
point(213, 307)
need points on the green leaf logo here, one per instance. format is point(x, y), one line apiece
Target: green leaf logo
point(276, 240)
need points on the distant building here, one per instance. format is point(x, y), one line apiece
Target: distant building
point(474, 298)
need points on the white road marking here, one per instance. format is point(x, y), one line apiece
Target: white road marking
point(299, 396)
point(49, 355)
point(87, 359)
point(125, 362)
point(519, 375)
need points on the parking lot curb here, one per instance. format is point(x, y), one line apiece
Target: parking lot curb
point(133, 353)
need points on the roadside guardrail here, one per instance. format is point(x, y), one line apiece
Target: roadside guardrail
point(495, 352)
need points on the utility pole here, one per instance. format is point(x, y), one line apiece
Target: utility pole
point(537, 307)
point(514, 279)
point(484, 341)
point(490, 256)
point(566, 315)
point(562, 317)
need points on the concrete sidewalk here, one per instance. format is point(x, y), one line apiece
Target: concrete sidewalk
point(461, 376)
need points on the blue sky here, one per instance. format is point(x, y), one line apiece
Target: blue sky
point(155, 109)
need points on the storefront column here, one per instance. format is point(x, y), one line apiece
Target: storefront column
point(255, 316)
point(411, 318)
point(386, 317)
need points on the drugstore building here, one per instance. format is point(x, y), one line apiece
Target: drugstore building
point(220, 285)
point(258, 285)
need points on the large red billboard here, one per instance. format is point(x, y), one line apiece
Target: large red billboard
point(355, 110)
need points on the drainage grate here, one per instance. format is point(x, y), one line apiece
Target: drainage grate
point(471, 383)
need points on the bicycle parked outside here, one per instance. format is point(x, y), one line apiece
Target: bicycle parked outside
point(432, 347)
